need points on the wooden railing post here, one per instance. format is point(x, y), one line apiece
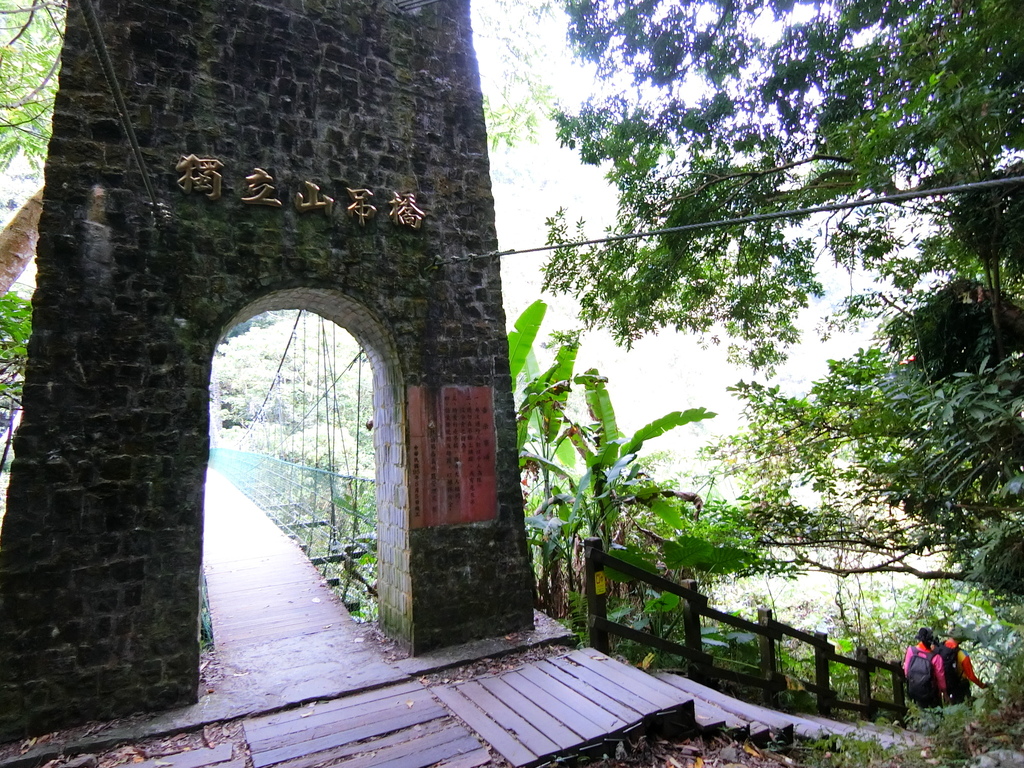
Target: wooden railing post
point(597, 598)
point(864, 683)
point(821, 673)
point(769, 666)
point(898, 681)
point(692, 637)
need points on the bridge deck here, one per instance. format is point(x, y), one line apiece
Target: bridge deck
point(282, 637)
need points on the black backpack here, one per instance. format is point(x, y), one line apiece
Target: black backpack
point(921, 685)
point(957, 687)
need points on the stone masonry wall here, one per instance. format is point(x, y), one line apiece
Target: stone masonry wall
point(101, 545)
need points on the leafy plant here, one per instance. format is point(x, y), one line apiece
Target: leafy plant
point(878, 466)
point(29, 63)
point(588, 478)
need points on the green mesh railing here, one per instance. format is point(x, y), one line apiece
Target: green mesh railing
point(333, 517)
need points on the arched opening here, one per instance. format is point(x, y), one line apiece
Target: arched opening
point(291, 419)
point(338, 488)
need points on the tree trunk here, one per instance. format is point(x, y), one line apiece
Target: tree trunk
point(18, 241)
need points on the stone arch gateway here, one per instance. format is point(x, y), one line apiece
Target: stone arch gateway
point(321, 154)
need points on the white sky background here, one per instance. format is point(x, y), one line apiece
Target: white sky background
point(662, 373)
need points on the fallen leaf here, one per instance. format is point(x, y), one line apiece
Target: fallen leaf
point(410, 703)
point(750, 749)
point(698, 762)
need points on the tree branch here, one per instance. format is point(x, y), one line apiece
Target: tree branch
point(904, 568)
point(750, 175)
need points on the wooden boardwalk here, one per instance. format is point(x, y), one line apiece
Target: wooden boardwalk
point(401, 726)
point(580, 703)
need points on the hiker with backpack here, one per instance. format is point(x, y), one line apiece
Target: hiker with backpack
point(959, 671)
point(925, 671)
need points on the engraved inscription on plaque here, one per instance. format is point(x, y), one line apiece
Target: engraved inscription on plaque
point(451, 456)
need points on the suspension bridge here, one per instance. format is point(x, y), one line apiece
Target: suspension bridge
point(314, 688)
point(291, 412)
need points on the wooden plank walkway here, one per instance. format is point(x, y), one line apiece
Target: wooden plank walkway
point(281, 636)
point(785, 726)
point(284, 639)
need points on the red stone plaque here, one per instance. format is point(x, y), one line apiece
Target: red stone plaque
point(451, 456)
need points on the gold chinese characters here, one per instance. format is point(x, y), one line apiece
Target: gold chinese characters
point(405, 212)
point(202, 175)
point(361, 209)
point(261, 191)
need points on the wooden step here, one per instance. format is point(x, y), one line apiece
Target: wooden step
point(401, 726)
point(580, 703)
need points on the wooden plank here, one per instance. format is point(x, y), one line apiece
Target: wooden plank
point(195, 758)
point(507, 744)
point(778, 721)
point(507, 718)
point(350, 749)
point(377, 728)
point(340, 721)
point(254, 727)
point(606, 699)
point(886, 736)
point(552, 728)
point(661, 695)
point(730, 721)
point(473, 759)
point(416, 752)
point(710, 718)
point(637, 704)
point(585, 714)
point(556, 707)
point(308, 721)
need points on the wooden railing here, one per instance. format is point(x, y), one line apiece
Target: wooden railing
point(769, 632)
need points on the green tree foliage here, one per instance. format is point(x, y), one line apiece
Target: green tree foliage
point(515, 67)
point(15, 328)
point(716, 109)
point(297, 388)
point(31, 32)
point(878, 468)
